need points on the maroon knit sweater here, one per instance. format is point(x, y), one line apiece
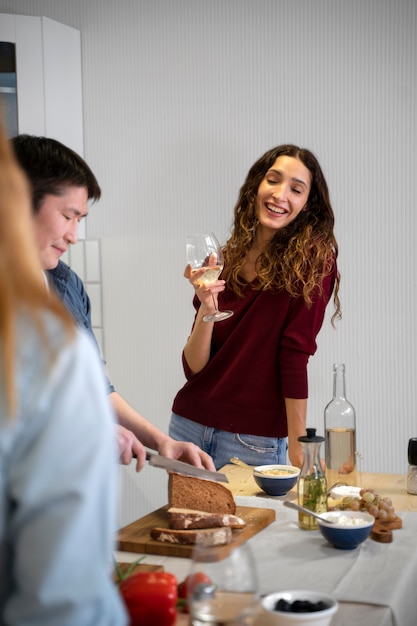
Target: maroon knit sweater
point(258, 357)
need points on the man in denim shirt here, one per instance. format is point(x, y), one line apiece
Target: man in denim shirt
point(70, 288)
point(62, 185)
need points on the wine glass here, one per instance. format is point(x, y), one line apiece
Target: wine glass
point(223, 590)
point(203, 250)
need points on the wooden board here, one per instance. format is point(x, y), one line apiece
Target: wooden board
point(382, 530)
point(136, 536)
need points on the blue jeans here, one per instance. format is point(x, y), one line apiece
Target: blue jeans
point(222, 445)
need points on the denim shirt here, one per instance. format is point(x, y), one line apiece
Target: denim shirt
point(70, 289)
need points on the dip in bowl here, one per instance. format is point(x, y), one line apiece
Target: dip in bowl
point(276, 480)
point(350, 530)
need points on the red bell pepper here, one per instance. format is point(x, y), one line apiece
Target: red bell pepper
point(150, 598)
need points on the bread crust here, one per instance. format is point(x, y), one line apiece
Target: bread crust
point(187, 492)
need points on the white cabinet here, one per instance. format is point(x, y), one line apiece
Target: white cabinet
point(48, 77)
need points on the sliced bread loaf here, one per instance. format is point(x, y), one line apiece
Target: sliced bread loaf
point(187, 492)
point(204, 537)
point(189, 519)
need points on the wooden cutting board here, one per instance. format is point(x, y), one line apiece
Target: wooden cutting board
point(136, 536)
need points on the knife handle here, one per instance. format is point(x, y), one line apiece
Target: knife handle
point(148, 455)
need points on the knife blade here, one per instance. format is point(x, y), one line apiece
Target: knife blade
point(156, 460)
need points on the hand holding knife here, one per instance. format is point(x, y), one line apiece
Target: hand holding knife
point(179, 467)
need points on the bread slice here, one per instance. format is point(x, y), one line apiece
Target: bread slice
point(182, 519)
point(187, 492)
point(205, 537)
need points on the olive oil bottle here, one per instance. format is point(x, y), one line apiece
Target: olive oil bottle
point(312, 484)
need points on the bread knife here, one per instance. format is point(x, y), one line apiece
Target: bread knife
point(156, 460)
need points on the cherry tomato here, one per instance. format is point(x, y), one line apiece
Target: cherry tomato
point(185, 587)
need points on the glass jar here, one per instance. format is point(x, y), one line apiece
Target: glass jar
point(312, 484)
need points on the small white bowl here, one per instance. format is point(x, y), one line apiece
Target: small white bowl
point(271, 617)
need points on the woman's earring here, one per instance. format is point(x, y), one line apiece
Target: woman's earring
point(255, 224)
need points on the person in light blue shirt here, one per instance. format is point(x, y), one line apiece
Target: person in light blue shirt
point(58, 453)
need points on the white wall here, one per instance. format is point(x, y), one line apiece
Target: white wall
point(180, 98)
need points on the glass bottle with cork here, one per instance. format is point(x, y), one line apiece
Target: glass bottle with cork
point(340, 433)
point(312, 484)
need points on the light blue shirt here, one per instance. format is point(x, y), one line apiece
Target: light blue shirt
point(58, 487)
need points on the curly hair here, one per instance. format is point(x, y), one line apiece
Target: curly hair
point(299, 256)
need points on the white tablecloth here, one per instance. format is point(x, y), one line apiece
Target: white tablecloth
point(376, 584)
point(375, 573)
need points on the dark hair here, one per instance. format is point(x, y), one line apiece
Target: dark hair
point(51, 167)
point(299, 256)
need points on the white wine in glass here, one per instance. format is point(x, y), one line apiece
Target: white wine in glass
point(203, 250)
point(225, 591)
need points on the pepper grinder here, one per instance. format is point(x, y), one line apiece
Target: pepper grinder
point(412, 466)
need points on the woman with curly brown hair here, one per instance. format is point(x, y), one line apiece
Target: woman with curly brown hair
point(247, 386)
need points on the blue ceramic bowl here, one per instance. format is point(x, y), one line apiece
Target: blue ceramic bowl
point(276, 480)
point(344, 535)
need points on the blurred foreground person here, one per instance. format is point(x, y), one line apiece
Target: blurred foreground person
point(58, 457)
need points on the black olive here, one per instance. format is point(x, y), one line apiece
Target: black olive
point(283, 605)
point(299, 606)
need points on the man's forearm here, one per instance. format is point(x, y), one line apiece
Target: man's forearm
point(147, 433)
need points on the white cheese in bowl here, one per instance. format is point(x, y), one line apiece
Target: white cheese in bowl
point(344, 520)
point(343, 491)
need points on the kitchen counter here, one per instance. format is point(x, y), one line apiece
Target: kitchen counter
point(242, 483)
point(375, 584)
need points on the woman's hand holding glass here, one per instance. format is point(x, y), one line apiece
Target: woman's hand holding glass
point(203, 290)
point(205, 263)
